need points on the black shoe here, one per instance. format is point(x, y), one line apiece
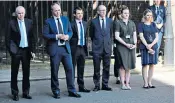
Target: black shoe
point(96, 89)
point(117, 81)
point(147, 87)
point(15, 97)
point(56, 96)
point(27, 96)
point(106, 88)
point(84, 90)
point(152, 86)
point(74, 94)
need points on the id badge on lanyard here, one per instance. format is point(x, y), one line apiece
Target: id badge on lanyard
point(127, 36)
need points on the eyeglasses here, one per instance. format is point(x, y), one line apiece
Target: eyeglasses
point(102, 10)
point(148, 15)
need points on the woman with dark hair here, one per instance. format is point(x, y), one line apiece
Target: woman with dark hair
point(149, 36)
point(125, 34)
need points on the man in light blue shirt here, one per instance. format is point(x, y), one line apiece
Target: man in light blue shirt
point(21, 46)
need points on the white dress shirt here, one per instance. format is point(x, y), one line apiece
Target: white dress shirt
point(102, 21)
point(79, 36)
point(56, 22)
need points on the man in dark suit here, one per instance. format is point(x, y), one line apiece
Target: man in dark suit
point(101, 30)
point(79, 47)
point(21, 46)
point(57, 32)
point(159, 14)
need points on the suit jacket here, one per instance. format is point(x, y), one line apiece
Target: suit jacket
point(162, 13)
point(50, 31)
point(14, 36)
point(74, 39)
point(99, 39)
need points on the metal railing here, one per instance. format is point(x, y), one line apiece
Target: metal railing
point(38, 11)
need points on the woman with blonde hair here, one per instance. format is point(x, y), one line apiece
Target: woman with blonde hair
point(125, 34)
point(149, 36)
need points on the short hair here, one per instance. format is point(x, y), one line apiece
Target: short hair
point(99, 7)
point(124, 7)
point(18, 7)
point(77, 8)
point(144, 15)
point(55, 3)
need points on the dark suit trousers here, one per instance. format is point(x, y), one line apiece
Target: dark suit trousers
point(116, 64)
point(97, 58)
point(78, 59)
point(22, 55)
point(61, 56)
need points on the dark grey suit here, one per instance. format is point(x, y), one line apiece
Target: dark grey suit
point(101, 49)
point(20, 54)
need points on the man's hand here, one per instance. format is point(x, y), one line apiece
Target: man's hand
point(62, 36)
point(65, 37)
point(59, 36)
point(159, 26)
point(33, 55)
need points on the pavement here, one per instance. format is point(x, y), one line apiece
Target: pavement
point(40, 86)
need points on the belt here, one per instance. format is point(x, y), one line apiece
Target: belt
point(23, 47)
point(80, 46)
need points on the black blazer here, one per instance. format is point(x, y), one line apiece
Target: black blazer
point(74, 39)
point(13, 36)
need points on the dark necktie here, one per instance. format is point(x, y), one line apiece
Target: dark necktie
point(81, 34)
point(157, 10)
point(103, 24)
point(103, 27)
point(60, 29)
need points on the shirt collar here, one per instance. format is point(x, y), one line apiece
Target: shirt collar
point(124, 22)
point(157, 6)
point(77, 21)
point(56, 17)
point(20, 20)
point(100, 18)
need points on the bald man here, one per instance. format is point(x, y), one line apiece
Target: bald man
point(21, 46)
point(101, 34)
point(57, 33)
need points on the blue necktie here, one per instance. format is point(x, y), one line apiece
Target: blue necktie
point(81, 34)
point(23, 39)
point(157, 10)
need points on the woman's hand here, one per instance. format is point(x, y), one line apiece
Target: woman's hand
point(133, 46)
point(151, 51)
point(128, 45)
point(149, 46)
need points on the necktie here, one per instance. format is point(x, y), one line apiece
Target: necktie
point(23, 36)
point(60, 29)
point(103, 24)
point(157, 10)
point(103, 27)
point(81, 34)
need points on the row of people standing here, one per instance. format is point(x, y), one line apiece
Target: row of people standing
point(66, 43)
point(58, 34)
